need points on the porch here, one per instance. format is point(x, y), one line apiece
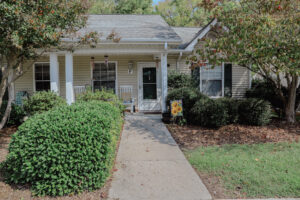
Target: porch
point(142, 78)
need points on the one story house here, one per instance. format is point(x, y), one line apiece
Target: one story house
point(137, 65)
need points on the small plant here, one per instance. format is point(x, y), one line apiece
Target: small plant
point(209, 113)
point(16, 116)
point(102, 95)
point(42, 101)
point(66, 150)
point(178, 80)
point(255, 112)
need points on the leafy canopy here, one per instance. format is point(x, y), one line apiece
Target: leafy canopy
point(122, 7)
point(28, 25)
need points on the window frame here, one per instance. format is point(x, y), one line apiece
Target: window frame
point(34, 80)
point(222, 80)
point(103, 62)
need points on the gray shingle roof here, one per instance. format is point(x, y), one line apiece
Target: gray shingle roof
point(133, 27)
point(187, 34)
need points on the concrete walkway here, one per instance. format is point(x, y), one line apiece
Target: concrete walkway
point(150, 165)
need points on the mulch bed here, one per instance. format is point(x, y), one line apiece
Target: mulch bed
point(190, 137)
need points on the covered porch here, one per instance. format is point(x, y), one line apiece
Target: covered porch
point(138, 77)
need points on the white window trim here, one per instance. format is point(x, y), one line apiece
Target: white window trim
point(116, 81)
point(223, 81)
point(34, 81)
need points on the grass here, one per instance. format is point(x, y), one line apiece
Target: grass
point(260, 170)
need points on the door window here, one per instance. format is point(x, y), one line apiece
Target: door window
point(149, 83)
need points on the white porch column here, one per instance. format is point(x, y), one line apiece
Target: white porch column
point(54, 73)
point(164, 80)
point(69, 78)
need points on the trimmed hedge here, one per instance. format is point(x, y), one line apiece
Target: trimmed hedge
point(179, 80)
point(255, 112)
point(102, 95)
point(42, 101)
point(189, 97)
point(231, 106)
point(209, 113)
point(66, 150)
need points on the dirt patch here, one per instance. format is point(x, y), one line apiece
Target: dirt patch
point(190, 137)
point(17, 192)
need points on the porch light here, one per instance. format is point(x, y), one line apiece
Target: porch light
point(106, 59)
point(93, 62)
point(130, 67)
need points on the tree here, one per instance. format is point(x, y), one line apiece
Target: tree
point(103, 7)
point(30, 28)
point(182, 12)
point(262, 36)
point(122, 7)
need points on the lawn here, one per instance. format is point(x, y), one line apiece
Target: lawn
point(257, 170)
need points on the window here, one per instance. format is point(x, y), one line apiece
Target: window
point(211, 81)
point(104, 76)
point(42, 76)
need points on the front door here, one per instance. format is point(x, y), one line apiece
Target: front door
point(149, 87)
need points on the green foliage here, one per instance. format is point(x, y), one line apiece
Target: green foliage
point(259, 170)
point(182, 12)
point(209, 113)
point(189, 96)
point(254, 112)
point(42, 101)
point(178, 80)
point(66, 150)
point(22, 37)
point(16, 115)
point(102, 95)
point(122, 7)
point(261, 34)
point(231, 106)
point(262, 89)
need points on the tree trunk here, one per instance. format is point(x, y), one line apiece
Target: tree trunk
point(291, 101)
point(10, 99)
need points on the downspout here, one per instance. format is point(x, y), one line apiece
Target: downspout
point(178, 60)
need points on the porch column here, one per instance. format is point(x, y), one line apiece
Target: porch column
point(164, 80)
point(69, 78)
point(54, 73)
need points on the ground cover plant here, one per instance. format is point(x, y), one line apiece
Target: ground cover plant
point(252, 171)
point(66, 150)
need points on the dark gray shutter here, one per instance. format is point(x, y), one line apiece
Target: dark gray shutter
point(228, 80)
point(196, 76)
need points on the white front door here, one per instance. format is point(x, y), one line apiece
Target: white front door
point(149, 87)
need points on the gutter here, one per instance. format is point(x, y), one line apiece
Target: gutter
point(178, 60)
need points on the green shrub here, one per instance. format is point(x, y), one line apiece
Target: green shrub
point(178, 80)
point(209, 113)
point(102, 95)
point(232, 108)
point(264, 90)
point(254, 112)
point(66, 150)
point(43, 101)
point(189, 96)
point(16, 116)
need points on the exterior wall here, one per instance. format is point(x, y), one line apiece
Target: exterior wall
point(240, 81)
point(83, 75)
point(181, 67)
